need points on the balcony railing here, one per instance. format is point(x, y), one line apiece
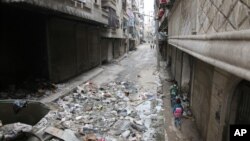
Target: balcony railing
point(109, 3)
point(83, 3)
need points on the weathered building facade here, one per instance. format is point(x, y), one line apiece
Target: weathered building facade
point(208, 51)
point(112, 35)
point(58, 40)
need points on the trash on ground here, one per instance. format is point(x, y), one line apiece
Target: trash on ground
point(12, 131)
point(110, 112)
point(66, 135)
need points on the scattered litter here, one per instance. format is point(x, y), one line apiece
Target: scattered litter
point(110, 112)
point(139, 128)
point(19, 105)
point(126, 93)
point(11, 131)
point(66, 135)
point(90, 137)
point(126, 134)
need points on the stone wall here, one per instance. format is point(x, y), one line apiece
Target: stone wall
point(212, 89)
point(222, 15)
point(223, 88)
point(211, 96)
point(201, 95)
point(209, 16)
point(186, 73)
point(178, 66)
point(182, 18)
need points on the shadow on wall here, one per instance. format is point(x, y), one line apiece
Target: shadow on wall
point(23, 54)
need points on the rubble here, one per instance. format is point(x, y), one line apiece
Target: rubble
point(106, 113)
point(90, 137)
point(66, 135)
point(12, 131)
point(126, 134)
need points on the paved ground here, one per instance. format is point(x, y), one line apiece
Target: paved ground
point(188, 130)
point(98, 105)
point(139, 67)
point(134, 64)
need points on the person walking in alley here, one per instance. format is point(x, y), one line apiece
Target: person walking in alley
point(151, 46)
point(177, 112)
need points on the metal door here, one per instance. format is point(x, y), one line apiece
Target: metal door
point(243, 111)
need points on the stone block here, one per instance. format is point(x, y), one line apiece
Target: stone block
point(207, 6)
point(238, 14)
point(211, 13)
point(202, 18)
point(246, 2)
point(202, 3)
point(218, 3)
point(218, 21)
point(245, 24)
point(222, 28)
point(243, 13)
point(227, 7)
point(206, 24)
point(211, 29)
point(228, 27)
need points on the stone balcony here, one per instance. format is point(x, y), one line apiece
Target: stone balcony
point(109, 3)
point(80, 9)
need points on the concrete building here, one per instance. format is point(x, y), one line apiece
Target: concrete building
point(113, 40)
point(133, 23)
point(208, 50)
point(141, 20)
point(149, 30)
point(57, 40)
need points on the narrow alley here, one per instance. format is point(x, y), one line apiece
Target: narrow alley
point(122, 103)
point(124, 70)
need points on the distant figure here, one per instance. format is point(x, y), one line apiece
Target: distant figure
point(151, 46)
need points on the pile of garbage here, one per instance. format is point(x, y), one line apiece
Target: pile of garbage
point(105, 113)
point(185, 102)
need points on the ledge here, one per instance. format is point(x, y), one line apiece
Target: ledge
point(229, 51)
point(60, 6)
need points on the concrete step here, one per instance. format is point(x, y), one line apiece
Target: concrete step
point(72, 84)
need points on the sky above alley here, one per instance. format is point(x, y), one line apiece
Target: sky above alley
point(148, 9)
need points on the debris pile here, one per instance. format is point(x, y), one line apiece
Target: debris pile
point(110, 112)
